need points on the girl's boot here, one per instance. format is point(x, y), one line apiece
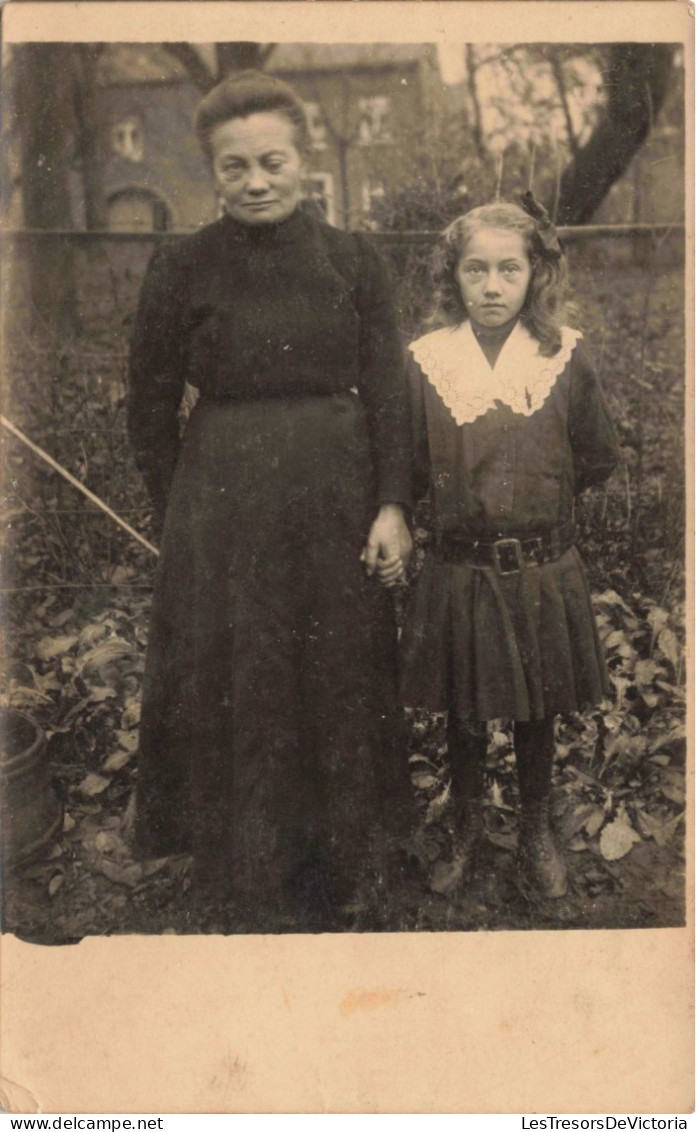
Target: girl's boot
point(469, 831)
point(467, 743)
point(539, 858)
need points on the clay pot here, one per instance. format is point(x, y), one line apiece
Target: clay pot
point(31, 815)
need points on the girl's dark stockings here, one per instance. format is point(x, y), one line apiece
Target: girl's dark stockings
point(534, 750)
point(540, 861)
point(534, 754)
point(467, 743)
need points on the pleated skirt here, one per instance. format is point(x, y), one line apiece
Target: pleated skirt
point(520, 647)
point(270, 731)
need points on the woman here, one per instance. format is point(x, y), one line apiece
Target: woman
point(269, 743)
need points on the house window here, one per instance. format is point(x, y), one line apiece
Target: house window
point(374, 127)
point(138, 210)
point(371, 193)
point(316, 125)
point(128, 140)
point(320, 187)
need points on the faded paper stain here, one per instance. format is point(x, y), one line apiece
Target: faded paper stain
point(359, 1000)
point(177, 1003)
point(15, 1098)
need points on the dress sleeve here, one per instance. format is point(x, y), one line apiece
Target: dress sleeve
point(382, 384)
point(421, 470)
point(157, 375)
point(591, 432)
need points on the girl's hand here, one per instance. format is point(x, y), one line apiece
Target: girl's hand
point(388, 547)
point(390, 572)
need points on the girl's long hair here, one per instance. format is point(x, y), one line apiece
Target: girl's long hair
point(545, 309)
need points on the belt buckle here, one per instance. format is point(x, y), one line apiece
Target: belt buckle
point(534, 551)
point(507, 551)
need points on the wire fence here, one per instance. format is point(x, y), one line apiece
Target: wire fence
point(68, 395)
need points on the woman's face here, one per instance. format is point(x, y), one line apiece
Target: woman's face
point(257, 168)
point(494, 273)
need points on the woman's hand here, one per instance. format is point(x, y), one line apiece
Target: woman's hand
point(388, 548)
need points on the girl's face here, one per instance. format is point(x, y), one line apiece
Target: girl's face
point(494, 273)
point(257, 168)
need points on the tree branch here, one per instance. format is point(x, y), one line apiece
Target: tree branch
point(558, 72)
point(90, 133)
point(196, 69)
point(240, 56)
point(477, 136)
point(637, 83)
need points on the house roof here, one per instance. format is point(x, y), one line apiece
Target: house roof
point(297, 57)
point(135, 63)
point(139, 63)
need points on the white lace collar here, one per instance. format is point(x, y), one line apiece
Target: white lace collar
point(455, 365)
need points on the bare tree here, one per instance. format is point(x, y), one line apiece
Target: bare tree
point(194, 64)
point(229, 57)
point(43, 115)
point(90, 131)
point(637, 80)
point(241, 56)
point(557, 65)
point(602, 135)
point(59, 121)
point(343, 127)
point(471, 76)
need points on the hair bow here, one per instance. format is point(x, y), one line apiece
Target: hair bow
point(548, 234)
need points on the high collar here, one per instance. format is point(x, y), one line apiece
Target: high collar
point(491, 339)
point(493, 333)
point(287, 231)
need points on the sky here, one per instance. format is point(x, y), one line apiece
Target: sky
point(451, 57)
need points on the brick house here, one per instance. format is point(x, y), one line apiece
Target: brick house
point(155, 176)
point(371, 107)
point(364, 103)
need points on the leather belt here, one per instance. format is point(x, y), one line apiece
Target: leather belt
point(509, 554)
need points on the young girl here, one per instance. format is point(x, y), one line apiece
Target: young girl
point(510, 424)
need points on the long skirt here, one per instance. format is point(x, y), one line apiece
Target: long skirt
point(270, 733)
point(522, 646)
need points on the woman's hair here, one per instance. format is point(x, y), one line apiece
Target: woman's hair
point(246, 93)
point(545, 307)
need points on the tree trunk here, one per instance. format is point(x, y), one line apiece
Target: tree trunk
point(239, 57)
point(229, 57)
point(196, 69)
point(43, 119)
point(477, 136)
point(91, 139)
point(558, 72)
point(342, 152)
point(637, 82)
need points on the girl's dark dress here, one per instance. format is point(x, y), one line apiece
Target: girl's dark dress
point(269, 736)
point(488, 640)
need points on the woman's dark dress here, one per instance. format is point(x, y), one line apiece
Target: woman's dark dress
point(269, 728)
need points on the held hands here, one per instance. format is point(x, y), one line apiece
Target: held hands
point(388, 547)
